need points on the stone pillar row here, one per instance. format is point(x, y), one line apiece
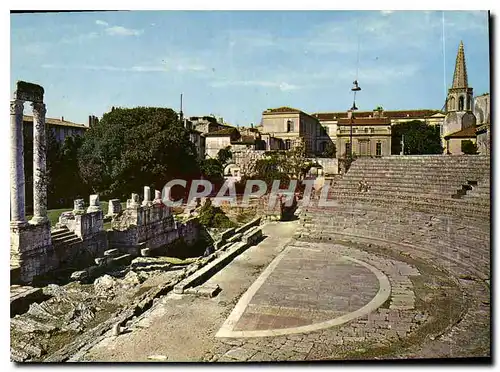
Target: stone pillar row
point(17, 182)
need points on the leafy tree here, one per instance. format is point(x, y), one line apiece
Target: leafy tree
point(330, 151)
point(130, 148)
point(469, 147)
point(419, 138)
point(65, 181)
point(224, 155)
point(212, 170)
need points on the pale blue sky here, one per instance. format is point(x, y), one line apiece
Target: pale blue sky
point(237, 64)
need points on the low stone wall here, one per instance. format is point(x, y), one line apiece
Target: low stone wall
point(247, 226)
point(31, 251)
point(239, 243)
point(252, 236)
point(330, 165)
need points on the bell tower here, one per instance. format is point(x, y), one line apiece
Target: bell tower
point(459, 102)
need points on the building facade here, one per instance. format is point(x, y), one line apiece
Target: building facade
point(370, 136)
point(60, 128)
point(291, 126)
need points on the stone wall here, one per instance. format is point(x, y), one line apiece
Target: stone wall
point(31, 251)
point(482, 109)
point(330, 165)
point(149, 227)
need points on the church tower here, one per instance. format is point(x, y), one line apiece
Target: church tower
point(459, 102)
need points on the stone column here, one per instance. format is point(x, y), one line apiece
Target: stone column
point(39, 164)
point(17, 192)
point(94, 204)
point(157, 197)
point(147, 196)
point(133, 202)
point(78, 206)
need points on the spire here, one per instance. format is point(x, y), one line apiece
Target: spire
point(460, 74)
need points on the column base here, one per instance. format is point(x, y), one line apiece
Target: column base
point(18, 224)
point(39, 220)
point(93, 209)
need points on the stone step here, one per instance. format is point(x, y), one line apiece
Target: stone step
point(423, 206)
point(467, 250)
point(444, 191)
point(390, 196)
point(469, 225)
point(424, 252)
point(416, 174)
point(428, 158)
point(67, 240)
point(59, 232)
point(447, 252)
point(418, 227)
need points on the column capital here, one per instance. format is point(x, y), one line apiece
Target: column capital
point(16, 106)
point(39, 109)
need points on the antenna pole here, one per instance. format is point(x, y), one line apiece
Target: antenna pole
point(444, 59)
point(181, 114)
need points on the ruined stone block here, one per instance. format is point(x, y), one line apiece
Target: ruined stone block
point(111, 252)
point(79, 275)
point(94, 204)
point(114, 207)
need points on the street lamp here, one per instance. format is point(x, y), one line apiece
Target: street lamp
point(355, 88)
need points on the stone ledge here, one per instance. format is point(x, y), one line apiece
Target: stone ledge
point(23, 297)
point(209, 270)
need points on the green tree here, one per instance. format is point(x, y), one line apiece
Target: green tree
point(130, 148)
point(65, 181)
point(469, 147)
point(224, 155)
point(212, 170)
point(419, 138)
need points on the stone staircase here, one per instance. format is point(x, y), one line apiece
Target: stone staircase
point(64, 237)
point(424, 183)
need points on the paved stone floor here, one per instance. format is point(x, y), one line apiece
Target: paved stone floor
point(290, 300)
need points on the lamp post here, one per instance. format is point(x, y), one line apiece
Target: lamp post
point(355, 89)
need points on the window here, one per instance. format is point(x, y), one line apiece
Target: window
point(348, 148)
point(372, 130)
point(326, 130)
point(366, 130)
point(288, 144)
point(378, 150)
point(461, 103)
point(289, 126)
point(451, 104)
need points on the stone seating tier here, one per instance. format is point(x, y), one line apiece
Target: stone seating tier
point(456, 207)
point(452, 239)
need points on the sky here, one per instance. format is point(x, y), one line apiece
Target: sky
point(236, 64)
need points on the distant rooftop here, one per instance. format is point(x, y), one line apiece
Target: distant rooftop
point(392, 114)
point(60, 122)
